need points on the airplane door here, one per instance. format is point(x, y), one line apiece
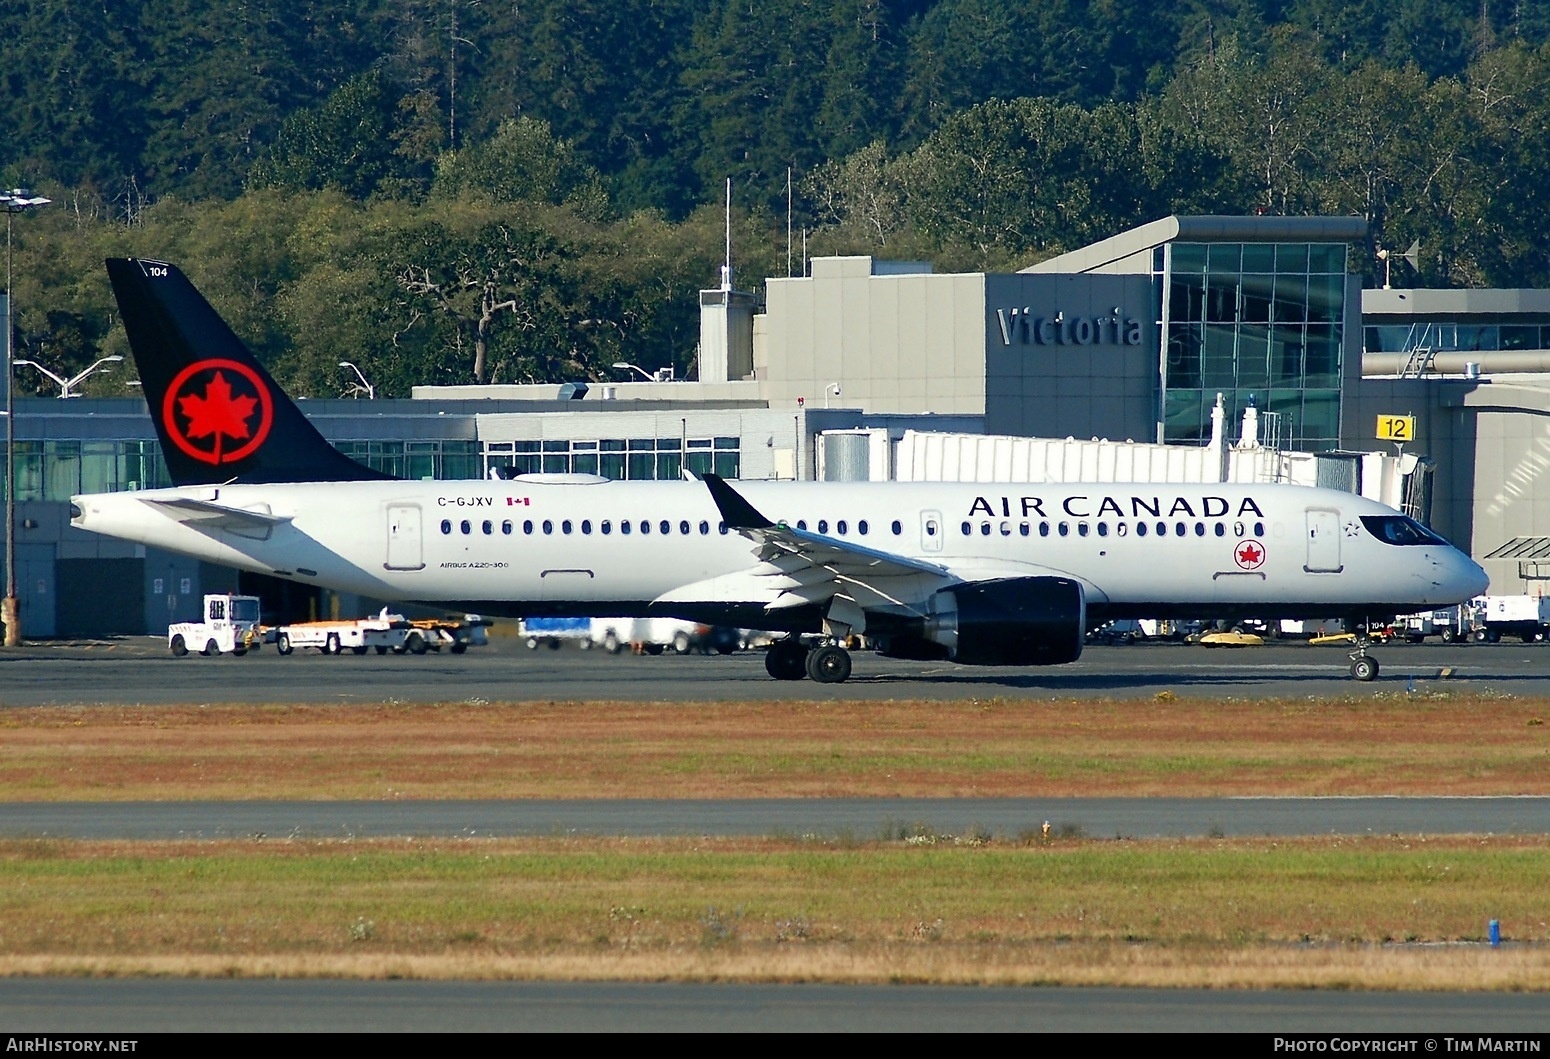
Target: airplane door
point(931, 531)
point(403, 538)
point(1323, 542)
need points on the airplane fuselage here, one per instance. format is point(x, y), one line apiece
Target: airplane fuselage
point(524, 547)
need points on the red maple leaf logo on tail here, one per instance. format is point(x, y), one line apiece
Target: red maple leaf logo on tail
point(218, 425)
point(217, 413)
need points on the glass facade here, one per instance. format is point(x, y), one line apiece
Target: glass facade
point(622, 459)
point(1454, 336)
point(58, 469)
point(1252, 321)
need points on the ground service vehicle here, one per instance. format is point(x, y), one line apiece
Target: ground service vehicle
point(229, 627)
point(1526, 617)
point(385, 632)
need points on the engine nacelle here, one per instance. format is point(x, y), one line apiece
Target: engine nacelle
point(1022, 621)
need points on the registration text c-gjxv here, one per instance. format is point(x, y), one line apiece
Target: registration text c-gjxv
point(981, 574)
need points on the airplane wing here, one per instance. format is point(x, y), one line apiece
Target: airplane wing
point(799, 567)
point(206, 514)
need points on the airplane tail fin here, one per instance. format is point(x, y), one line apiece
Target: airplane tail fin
point(219, 415)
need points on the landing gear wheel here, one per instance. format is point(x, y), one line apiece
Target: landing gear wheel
point(786, 660)
point(1364, 668)
point(828, 664)
point(211, 649)
point(179, 648)
point(282, 643)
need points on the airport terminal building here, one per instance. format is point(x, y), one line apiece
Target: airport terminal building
point(1150, 338)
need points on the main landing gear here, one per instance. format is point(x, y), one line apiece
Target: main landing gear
point(790, 659)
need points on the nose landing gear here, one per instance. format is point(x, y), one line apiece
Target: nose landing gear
point(1363, 666)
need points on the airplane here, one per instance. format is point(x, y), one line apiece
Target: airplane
point(974, 573)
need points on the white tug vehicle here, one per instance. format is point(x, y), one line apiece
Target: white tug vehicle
point(230, 627)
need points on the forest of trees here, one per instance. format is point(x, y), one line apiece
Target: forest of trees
point(462, 190)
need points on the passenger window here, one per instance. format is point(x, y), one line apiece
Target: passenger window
point(506, 527)
point(1121, 529)
point(1044, 529)
point(801, 523)
point(1221, 530)
point(898, 528)
point(683, 527)
point(1259, 529)
point(984, 529)
point(1065, 529)
point(823, 525)
point(861, 527)
point(548, 527)
point(1162, 529)
point(527, 526)
point(606, 526)
point(1200, 529)
point(488, 527)
point(466, 526)
point(1022, 527)
point(1140, 529)
point(624, 526)
point(1006, 529)
point(704, 528)
point(1180, 529)
point(565, 526)
point(931, 527)
point(721, 528)
point(665, 527)
point(446, 525)
point(840, 527)
point(1081, 529)
point(586, 525)
point(1237, 529)
point(1103, 529)
point(967, 529)
point(645, 526)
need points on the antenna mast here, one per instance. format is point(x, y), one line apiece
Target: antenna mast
point(726, 268)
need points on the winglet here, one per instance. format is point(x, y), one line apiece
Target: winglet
point(736, 512)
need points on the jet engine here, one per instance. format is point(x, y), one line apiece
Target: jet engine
point(1022, 621)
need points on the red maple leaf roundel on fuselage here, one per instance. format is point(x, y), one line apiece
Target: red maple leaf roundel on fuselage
point(1250, 555)
point(217, 411)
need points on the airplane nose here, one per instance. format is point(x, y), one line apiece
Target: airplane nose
point(1472, 579)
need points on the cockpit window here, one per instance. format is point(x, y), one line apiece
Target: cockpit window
point(1397, 529)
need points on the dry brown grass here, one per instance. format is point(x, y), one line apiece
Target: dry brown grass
point(1466, 744)
point(1371, 913)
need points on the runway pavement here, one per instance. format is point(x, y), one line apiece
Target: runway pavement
point(855, 818)
point(126, 1007)
point(140, 670)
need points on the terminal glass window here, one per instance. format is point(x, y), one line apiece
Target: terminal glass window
point(1259, 323)
point(621, 459)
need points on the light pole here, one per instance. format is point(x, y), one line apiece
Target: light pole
point(662, 374)
point(67, 386)
point(17, 200)
point(371, 391)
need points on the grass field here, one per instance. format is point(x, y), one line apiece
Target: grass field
point(1348, 913)
point(1466, 744)
point(1376, 912)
